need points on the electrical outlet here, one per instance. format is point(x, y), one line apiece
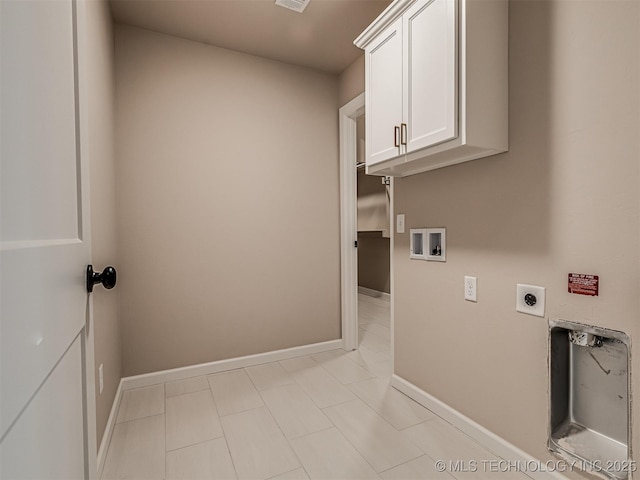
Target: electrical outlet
point(101, 378)
point(530, 299)
point(471, 289)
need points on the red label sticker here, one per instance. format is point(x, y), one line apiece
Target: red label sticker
point(582, 284)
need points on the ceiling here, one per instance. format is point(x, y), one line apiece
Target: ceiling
point(320, 38)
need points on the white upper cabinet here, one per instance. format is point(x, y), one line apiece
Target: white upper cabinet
point(436, 84)
point(429, 101)
point(383, 95)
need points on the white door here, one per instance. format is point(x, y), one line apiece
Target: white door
point(383, 64)
point(45, 411)
point(430, 72)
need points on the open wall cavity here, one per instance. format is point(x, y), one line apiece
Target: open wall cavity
point(589, 411)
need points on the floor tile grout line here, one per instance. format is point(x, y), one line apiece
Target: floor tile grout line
point(241, 411)
point(266, 406)
point(213, 397)
point(333, 425)
point(361, 366)
point(139, 418)
point(244, 369)
point(187, 393)
point(305, 434)
point(182, 447)
point(370, 405)
point(343, 355)
point(435, 417)
point(450, 426)
point(354, 447)
point(223, 436)
point(285, 438)
point(276, 362)
point(298, 437)
point(233, 461)
point(327, 406)
point(405, 462)
point(289, 471)
point(384, 420)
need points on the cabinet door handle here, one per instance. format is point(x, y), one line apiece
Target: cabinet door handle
point(403, 134)
point(396, 134)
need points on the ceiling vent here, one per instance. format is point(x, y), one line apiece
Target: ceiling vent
point(296, 5)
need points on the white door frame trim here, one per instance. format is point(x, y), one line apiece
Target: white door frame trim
point(348, 226)
point(87, 333)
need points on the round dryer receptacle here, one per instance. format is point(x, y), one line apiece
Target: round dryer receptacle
point(530, 299)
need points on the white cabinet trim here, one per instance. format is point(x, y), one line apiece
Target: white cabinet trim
point(386, 18)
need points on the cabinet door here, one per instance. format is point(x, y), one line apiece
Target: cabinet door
point(430, 96)
point(383, 64)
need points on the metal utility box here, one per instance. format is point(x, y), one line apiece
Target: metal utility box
point(589, 398)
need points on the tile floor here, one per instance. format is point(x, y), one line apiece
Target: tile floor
point(326, 416)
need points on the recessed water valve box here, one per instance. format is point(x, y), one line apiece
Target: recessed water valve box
point(589, 398)
point(436, 244)
point(418, 243)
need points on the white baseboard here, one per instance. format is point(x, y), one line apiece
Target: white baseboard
point(108, 431)
point(154, 378)
point(373, 293)
point(492, 442)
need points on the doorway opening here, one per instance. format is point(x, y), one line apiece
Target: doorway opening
point(366, 243)
point(374, 275)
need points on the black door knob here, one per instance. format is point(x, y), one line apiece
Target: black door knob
point(107, 278)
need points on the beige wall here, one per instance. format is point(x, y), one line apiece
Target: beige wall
point(228, 203)
point(101, 98)
point(351, 82)
point(373, 262)
point(373, 248)
point(374, 270)
point(563, 199)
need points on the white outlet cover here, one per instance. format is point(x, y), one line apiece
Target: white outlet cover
point(471, 289)
point(538, 292)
